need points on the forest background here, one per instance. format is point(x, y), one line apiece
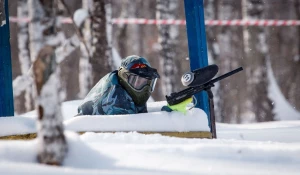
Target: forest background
point(241, 98)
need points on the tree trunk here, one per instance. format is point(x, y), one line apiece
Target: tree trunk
point(256, 58)
point(168, 40)
point(24, 55)
point(228, 55)
point(43, 32)
point(101, 61)
point(108, 14)
point(52, 143)
point(85, 68)
point(284, 49)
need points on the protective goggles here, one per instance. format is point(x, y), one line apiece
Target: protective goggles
point(144, 70)
point(139, 83)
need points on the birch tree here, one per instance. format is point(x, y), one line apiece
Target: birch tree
point(284, 49)
point(211, 13)
point(168, 40)
point(101, 60)
point(122, 35)
point(24, 55)
point(45, 36)
point(256, 61)
point(85, 68)
point(129, 36)
point(228, 55)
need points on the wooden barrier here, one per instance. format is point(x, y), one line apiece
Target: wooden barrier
point(194, 134)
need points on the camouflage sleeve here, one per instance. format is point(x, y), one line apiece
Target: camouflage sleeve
point(142, 109)
point(117, 101)
point(85, 109)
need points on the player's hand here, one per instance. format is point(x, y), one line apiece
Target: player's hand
point(181, 107)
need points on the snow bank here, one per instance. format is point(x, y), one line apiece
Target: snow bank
point(195, 120)
point(16, 125)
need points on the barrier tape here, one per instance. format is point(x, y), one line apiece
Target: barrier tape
point(262, 22)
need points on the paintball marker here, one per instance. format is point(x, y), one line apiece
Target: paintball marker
point(178, 97)
point(197, 81)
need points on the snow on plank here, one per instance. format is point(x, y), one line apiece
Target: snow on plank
point(194, 120)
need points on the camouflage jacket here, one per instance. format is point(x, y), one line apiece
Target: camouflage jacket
point(108, 97)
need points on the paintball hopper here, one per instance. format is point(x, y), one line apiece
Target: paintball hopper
point(200, 76)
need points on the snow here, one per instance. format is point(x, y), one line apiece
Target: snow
point(257, 148)
point(16, 125)
point(80, 16)
point(195, 120)
point(155, 120)
point(20, 83)
point(282, 108)
point(134, 153)
point(116, 58)
point(3, 23)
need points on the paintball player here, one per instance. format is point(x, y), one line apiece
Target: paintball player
point(123, 91)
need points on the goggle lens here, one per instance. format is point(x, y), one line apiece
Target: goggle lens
point(139, 83)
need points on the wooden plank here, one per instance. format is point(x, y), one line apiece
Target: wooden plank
point(19, 137)
point(193, 134)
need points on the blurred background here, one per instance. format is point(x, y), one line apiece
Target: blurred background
point(92, 45)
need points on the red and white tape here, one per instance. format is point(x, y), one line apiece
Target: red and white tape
point(211, 22)
point(252, 22)
point(243, 22)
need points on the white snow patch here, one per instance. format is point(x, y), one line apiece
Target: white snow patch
point(21, 83)
point(80, 16)
point(3, 23)
point(283, 110)
point(16, 125)
point(116, 57)
point(195, 120)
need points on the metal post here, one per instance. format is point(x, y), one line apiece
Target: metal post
point(195, 25)
point(212, 113)
point(6, 92)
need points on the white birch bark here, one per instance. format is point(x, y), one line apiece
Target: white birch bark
point(85, 68)
point(45, 36)
point(24, 55)
point(134, 30)
point(256, 58)
point(109, 51)
point(52, 143)
point(129, 36)
point(101, 61)
point(231, 94)
point(36, 14)
point(168, 40)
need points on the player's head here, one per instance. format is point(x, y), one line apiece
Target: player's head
point(138, 78)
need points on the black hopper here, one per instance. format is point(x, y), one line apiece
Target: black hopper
point(200, 76)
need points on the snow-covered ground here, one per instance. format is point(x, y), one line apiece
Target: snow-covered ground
point(262, 148)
